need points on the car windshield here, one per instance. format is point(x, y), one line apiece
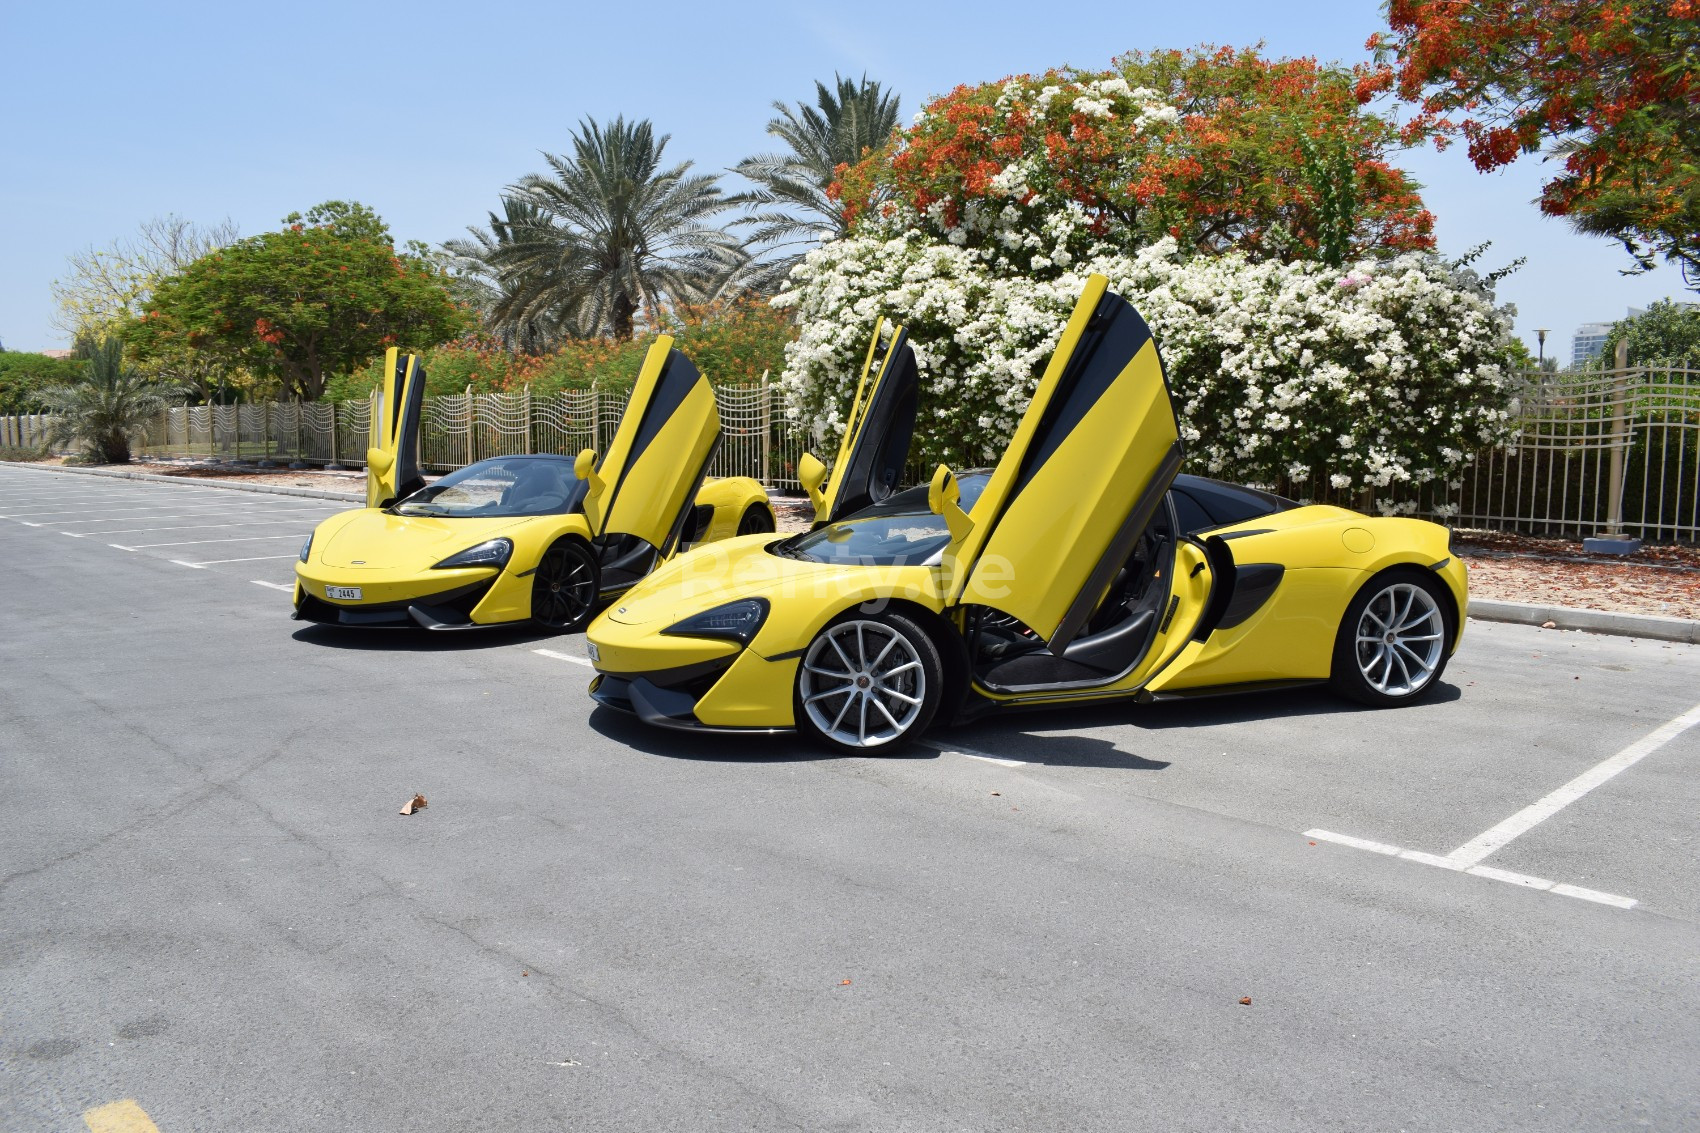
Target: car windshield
point(898, 531)
point(503, 486)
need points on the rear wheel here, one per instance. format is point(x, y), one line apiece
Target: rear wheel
point(868, 682)
point(564, 587)
point(756, 520)
point(1392, 642)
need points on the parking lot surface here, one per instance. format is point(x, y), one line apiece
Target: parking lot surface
point(212, 916)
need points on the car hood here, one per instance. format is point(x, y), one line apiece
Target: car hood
point(378, 540)
point(722, 572)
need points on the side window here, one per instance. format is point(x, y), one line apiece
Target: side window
point(1191, 514)
point(1230, 503)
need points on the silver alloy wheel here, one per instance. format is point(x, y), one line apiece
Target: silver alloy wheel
point(862, 683)
point(1401, 639)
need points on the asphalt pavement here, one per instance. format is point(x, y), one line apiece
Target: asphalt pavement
point(212, 917)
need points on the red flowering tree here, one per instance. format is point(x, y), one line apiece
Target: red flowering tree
point(1219, 148)
point(1614, 85)
point(317, 299)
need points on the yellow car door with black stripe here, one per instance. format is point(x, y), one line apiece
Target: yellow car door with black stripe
point(1082, 479)
point(660, 451)
point(875, 449)
point(392, 463)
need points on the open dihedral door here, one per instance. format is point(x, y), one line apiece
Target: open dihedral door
point(875, 448)
point(656, 462)
point(1077, 490)
point(392, 463)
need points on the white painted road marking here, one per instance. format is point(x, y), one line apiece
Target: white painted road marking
point(273, 585)
point(967, 753)
point(1487, 871)
point(1538, 812)
point(585, 661)
point(249, 559)
point(191, 566)
point(243, 539)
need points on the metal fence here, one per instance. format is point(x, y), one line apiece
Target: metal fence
point(1596, 451)
point(757, 438)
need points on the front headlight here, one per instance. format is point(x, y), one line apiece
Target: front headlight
point(306, 548)
point(735, 621)
point(491, 553)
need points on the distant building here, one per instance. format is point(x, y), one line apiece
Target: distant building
point(1590, 339)
point(55, 353)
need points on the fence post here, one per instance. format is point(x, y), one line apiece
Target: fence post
point(528, 417)
point(1614, 539)
point(766, 432)
point(336, 426)
point(595, 418)
point(471, 423)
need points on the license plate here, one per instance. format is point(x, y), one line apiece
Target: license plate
point(343, 593)
point(592, 652)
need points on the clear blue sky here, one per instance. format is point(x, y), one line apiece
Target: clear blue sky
point(114, 113)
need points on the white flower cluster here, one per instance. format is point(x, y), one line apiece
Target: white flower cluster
point(1297, 376)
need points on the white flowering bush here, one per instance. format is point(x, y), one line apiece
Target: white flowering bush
point(1302, 377)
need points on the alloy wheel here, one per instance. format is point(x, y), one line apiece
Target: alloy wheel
point(563, 590)
point(862, 683)
point(1401, 639)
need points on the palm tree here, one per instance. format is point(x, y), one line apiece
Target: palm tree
point(107, 407)
point(606, 234)
point(526, 311)
point(793, 209)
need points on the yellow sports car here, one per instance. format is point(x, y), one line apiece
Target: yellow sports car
point(1082, 568)
point(535, 537)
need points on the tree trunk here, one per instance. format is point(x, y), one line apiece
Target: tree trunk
point(622, 314)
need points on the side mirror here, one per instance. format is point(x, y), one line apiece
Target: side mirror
point(584, 467)
point(379, 461)
point(811, 473)
point(944, 498)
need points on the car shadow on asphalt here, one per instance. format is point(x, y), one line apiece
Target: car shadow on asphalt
point(1033, 736)
point(1028, 736)
point(783, 747)
point(409, 640)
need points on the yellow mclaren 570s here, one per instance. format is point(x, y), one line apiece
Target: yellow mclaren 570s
point(534, 537)
point(1082, 568)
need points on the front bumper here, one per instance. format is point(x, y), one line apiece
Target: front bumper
point(662, 705)
point(442, 610)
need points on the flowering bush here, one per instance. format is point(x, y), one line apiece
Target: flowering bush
point(1220, 149)
point(1298, 376)
point(1313, 342)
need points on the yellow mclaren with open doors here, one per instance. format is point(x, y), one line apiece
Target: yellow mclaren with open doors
point(531, 537)
point(1084, 567)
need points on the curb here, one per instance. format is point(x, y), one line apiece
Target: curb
point(1588, 621)
point(267, 489)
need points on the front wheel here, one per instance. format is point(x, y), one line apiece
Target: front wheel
point(564, 587)
point(1392, 642)
point(868, 682)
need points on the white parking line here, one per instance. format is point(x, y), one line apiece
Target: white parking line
point(273, 585)
point(969, 753)
point(120, 547)
point(184, 527)
point(243, 539)
point(191, 566)
point(1542, 809)
point(249, 559)
point(585, 661)
point(1488, 871)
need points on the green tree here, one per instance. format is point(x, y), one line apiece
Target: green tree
point(1615, 89)
point(317, 299)
point(23, 376)
point(1666, 334)
point(107, 406)
point(793, 210)
point(608, 233)
point(529, 312)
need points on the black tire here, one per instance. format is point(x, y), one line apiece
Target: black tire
point(883, 662)
point(1397, 654)
point(565, 587)
point(756, 520)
